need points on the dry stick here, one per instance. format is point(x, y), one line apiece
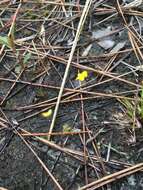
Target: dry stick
point(98, 183)
point(55, 133)
point(119, 174)
point(119, 9)
point(97, 71)
point(61, 60)
point(65, 89)
point(40, 161)
point(65, 94)
point(2, 125)
point(110, 178)
point(57, 147)
point(25, 84)
point(96, 150)
point(9, 22)
point(11, 88)
point(132, 41)
point(80, 25)
point(51, 105)
point(60, 154)
point(90, 160)
point(47, 103)
point(14, 50)
point(84, 139)
point(70, 152)
point(51, 3)
point(67, 151)
point(4, 1)
point(10, 34)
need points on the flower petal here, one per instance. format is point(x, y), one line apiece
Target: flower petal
point(47, 113)
point(82, 76)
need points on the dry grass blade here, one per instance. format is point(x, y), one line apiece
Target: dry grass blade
point(54, 134)
point(2, 125)
point(4, 2)
point(113, 177)
point(134, 3)
point(13, 85)
point(79, 29)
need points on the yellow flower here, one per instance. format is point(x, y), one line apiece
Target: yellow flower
point(82, 76)
point(47, 113)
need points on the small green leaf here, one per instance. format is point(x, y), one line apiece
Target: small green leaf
point(11, 42)
point(66, 128)
point(4, 41)
point(27, 57)
point(18, 69)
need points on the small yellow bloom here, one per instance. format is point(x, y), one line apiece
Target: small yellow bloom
point(82, 76)
point(47, 113)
